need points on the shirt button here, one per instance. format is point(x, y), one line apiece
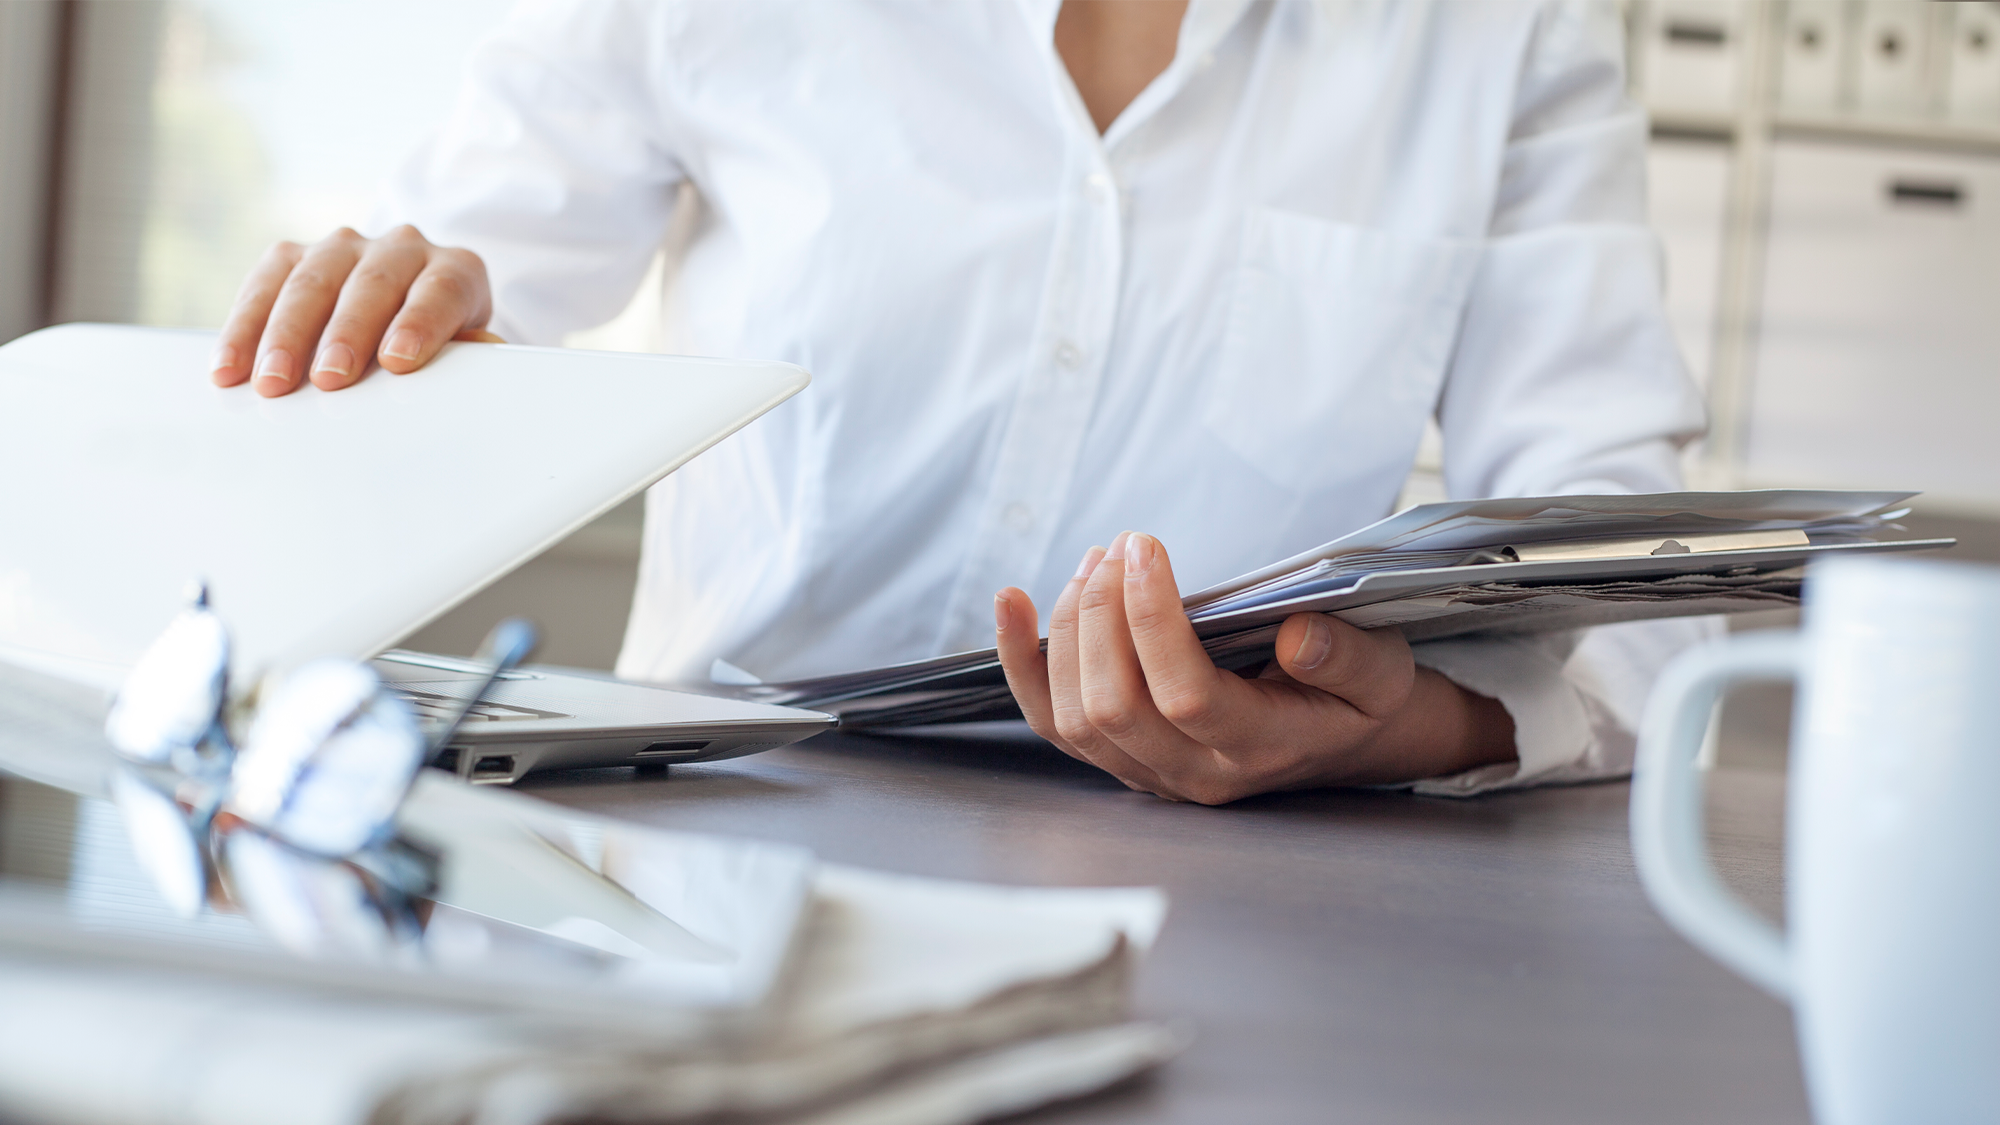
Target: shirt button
point(1068, 356)
point(1018, 516)
point(1097, 186)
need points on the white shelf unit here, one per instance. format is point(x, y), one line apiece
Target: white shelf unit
point(1827, 183)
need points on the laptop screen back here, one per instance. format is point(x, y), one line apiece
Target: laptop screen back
point(324, 524)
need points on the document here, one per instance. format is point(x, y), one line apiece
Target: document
point(1514, 565)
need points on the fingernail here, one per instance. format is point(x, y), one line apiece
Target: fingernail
point(404, 343)
point(999, 614)
point(1318, 643)
point(337, 359)
point(224, 357)
point(1090, 560)
point(1117, 550)
point(275, 369)
point(1138, 556)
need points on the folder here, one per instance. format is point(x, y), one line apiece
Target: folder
point(1690, 55)
point(1516, 565)
point(1814, 56)
point(1894, 71)
point(1973, 92)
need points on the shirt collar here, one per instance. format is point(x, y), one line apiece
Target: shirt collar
point(1204, 26)
point(1206, 22)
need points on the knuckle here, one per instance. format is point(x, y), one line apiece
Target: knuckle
point(1185, 708)
point(372, 275)
point(1146, 616)
point(404, 235)
point(1110, 717)
point(464, 263)
point(306, 279)
point(346, 329)
point(1074, 727)
point(1095, 596)
point(342, 236)
point(286, 252)
point(446, 286)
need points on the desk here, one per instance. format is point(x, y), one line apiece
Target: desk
point(1350, 956)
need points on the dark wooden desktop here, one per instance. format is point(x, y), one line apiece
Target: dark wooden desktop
point(1341, 956)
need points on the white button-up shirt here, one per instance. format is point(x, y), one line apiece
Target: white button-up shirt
point(1224, 322)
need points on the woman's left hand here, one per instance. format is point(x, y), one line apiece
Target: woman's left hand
point(1126, 686)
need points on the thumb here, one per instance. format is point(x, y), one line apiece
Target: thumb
point(1369, 668)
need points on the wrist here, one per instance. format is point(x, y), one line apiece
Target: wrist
point(1441, 729)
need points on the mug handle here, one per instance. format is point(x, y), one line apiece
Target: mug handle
point(1666, 805)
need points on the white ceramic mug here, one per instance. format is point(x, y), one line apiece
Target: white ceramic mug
point(1891, 958)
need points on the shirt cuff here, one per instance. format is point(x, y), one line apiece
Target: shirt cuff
point(1575, 698)
point(1554, 730)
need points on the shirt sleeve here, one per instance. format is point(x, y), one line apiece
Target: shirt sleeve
point(557, 165)
point(1567, 379)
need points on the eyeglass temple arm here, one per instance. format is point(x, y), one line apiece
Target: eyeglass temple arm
point(507, 645)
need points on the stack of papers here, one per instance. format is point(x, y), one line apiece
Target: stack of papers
point(1531, 564)
point(682, 977)
point(913, 1000)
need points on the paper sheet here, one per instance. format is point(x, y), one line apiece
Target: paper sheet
point(1422, 571)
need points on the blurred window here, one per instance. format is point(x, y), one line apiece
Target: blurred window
point(276, 121)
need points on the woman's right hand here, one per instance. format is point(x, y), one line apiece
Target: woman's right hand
point(328, 308)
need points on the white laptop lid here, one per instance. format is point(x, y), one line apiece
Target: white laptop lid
point(325, 524)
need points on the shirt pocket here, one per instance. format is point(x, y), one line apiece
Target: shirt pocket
point(1337, 341)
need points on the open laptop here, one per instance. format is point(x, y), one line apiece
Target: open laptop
point(337, 524)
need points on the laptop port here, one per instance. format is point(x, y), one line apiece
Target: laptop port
point(673, 749)
point(487, 769)
point(493, 767)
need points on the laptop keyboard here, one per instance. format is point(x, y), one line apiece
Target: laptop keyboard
point(432, 708)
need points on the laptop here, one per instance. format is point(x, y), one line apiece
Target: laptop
point(338, 524)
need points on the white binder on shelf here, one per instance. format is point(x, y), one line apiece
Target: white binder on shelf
point(1813, 60)
point(1972, 92)
point(1689, 53)
point(1893, 69)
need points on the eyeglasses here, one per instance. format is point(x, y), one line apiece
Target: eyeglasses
point(297, 827)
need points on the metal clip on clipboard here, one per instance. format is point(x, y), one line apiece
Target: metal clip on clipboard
point(1635, 548)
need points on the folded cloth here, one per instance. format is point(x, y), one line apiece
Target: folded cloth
point(912, 1000)
point(848, 996)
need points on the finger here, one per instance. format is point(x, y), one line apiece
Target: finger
point(1060, 662)
point(1369, 668)
point(449, 296)
point(1209, 705)
point(374, 290)
point(236, 346)
point(1117, 700)
point(305, 302)
point(478, 336)
point(1073, 715)
point(1015, 629)
point(1065, 696)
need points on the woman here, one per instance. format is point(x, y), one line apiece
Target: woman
point(1060, 269)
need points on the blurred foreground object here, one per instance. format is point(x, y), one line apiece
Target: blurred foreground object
point(299, 826)
point(1892, 907)
point(798, 991)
